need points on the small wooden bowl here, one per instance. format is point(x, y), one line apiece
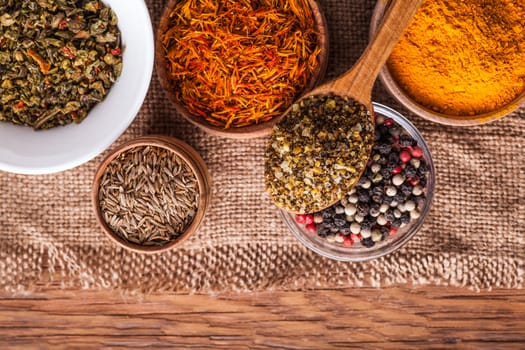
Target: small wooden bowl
point(247, 132)
point(399, 94)
point(194, 161)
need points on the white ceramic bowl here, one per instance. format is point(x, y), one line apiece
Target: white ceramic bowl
point(25, 151)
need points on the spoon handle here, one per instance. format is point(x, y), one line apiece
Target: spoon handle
point(360, 78)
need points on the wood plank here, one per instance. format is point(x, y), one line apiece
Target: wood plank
point(365, 318)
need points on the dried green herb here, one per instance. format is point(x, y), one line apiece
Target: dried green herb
point(58, 59)
point(317, 152)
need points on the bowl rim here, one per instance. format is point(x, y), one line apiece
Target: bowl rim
point(399, 241)
point(402, 97)
point(186, 153)
point(245, 132)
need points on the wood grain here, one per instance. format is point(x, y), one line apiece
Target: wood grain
point(391, 318)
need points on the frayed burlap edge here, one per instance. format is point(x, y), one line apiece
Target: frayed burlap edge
point(242, 269)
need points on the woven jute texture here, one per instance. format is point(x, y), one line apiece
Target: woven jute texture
point(474, 236)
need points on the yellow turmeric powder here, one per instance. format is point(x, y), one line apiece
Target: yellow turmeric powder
point(463, 57)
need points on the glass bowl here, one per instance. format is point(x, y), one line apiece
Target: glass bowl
point(358, 252)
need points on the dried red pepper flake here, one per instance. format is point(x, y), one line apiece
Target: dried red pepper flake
point(67, 51)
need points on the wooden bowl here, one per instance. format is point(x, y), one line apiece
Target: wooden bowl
point(399, 94)
point(194, 161)
point(247, 132)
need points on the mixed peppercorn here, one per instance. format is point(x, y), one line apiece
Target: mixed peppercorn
point(390, 193)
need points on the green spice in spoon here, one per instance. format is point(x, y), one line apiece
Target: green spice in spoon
point(319, 149)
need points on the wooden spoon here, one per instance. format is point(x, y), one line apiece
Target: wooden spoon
point(358, 81)
point(356, 84)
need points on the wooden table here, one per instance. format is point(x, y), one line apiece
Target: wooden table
point(399, 317)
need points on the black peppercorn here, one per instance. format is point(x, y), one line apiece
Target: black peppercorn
point(410, 171)
point(423, 169)
point(389, 215)
point(339, 222)
point(406, 140)
point(374, 209)
point(363, 195)
point(405, 218)
point(386, 173)
point(367, 242)
point(384, 148)
point(385, 231)
point(393, 158)
point(406, 188)
point(328, 213)
point(362, 209)
point(396, 223)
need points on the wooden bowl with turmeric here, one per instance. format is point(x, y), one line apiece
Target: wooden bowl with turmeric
point(233, 68)
point(458, 65)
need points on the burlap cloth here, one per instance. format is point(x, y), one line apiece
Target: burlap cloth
point(474, 236)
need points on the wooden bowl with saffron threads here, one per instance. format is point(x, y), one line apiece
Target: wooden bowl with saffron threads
point(401, 95)
point(190, 160)
point(261, 128)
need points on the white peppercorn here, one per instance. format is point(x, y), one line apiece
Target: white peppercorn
point(355, 227)
point(410, 205)
point(366, 184)
point(391, 191)
point(377, 236)
point(381, 220)
point(398, 179)
point(353, 198)
point(415, 162)
point(415, 214)
point(359, 218)
point(374, 168)
point(318, 218)
point(417, 190)
point(350, 210)
point(365, 232)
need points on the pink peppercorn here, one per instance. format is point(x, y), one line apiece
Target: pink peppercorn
point(300, 218)
point(309, 219)
point(414, 181)
point(388, 122)
point(404, 156)
point(416, 152)
point(355, 237)
point(311, 227)
point(348, 242)
point(397, 170)
point(393, 231)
